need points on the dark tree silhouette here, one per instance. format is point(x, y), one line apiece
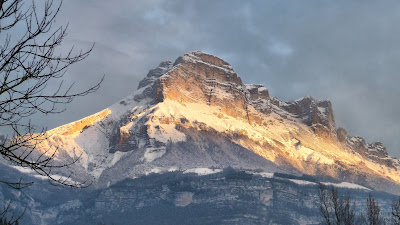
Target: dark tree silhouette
point(31, 62)
point(334, 208)
point(396, 212)
point(374, 216)
point(7, 217)
point(32, 65)
point(338, 210)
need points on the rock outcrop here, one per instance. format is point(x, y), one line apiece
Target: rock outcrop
point(200, 77)
point(314, 113)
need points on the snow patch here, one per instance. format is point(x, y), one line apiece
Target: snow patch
point(202, 171)
point(153, 153)
point(322, 110)
point(165, 132)
point(26, 170)
point(162, 170)
point(346, 185)
point(264, 174)
point(302, 182)
point(116, 158)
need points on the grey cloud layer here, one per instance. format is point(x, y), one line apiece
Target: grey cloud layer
point(345, 51)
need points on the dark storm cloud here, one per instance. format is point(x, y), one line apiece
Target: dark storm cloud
point(345, 51)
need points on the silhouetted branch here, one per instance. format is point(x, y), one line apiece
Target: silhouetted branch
point(8, 217)
point(30, 63)
point(334, 208)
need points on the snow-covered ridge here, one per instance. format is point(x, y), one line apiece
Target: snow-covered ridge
point(79, 125)
point(31, 172)
point(346, 185)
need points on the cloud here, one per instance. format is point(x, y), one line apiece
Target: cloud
point(280, 49)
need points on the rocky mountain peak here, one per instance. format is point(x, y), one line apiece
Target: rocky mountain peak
point(204, 78)
point(210, 67)
point(203, 58)
point(197, 113)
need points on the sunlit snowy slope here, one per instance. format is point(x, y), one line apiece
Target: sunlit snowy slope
point(197, 115)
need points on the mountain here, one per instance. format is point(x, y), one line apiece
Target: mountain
point(197, 113)
point(194, 137)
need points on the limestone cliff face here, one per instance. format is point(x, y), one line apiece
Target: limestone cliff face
point(200, 77)
point(374, 151)
point(316, 114)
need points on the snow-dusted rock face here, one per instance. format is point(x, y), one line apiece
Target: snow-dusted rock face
point(197, 113)
point(316, 114)
point(203, 78)
point(374, 151)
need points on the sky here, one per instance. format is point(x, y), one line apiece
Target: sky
point(344, 51)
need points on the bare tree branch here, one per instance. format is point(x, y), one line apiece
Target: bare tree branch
point(335, 210)
point(396, 212)
point(30, 65)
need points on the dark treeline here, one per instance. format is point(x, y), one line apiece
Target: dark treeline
point(341, 210)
